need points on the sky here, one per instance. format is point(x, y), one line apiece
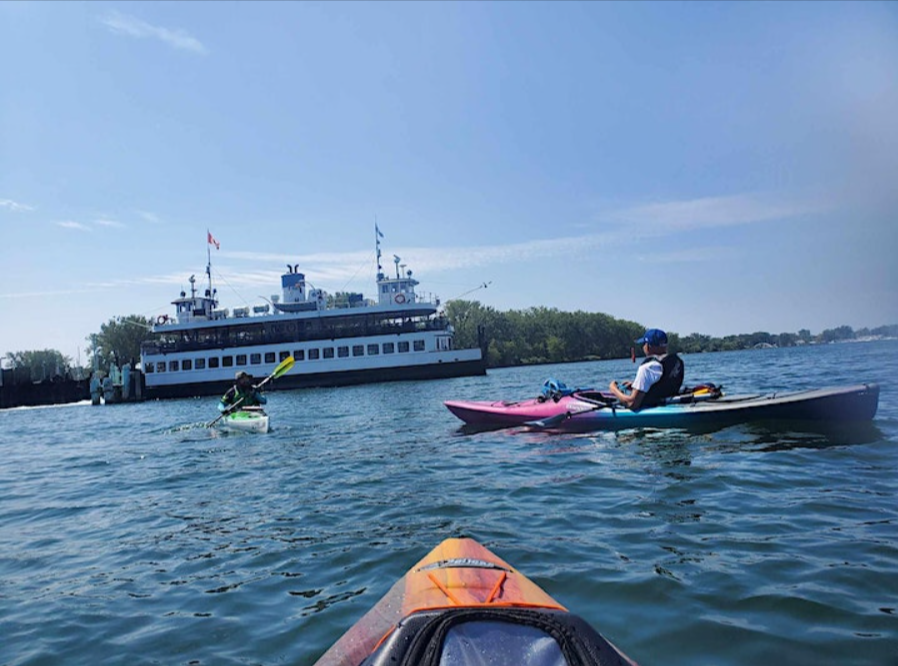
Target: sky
point(706, 167)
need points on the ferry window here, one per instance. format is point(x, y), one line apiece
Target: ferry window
point(389, 348)
point(419, 345)
point(186, 364)
point(255, 359)
point(150, 368)
point(313, 354)
point(403, 347)
point(241, 359)
point(342, 352)
point(213, 361)
point(269, 357)
point(328, 352)
point(284, 355)
point(373, 350)
point(299, 354)
point(172, 366)
point(358, 350)
point(200, 364)
point(160, 367)
point(227, 361)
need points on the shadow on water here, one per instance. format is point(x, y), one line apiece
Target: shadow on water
point(768, 436)
point(764, 436)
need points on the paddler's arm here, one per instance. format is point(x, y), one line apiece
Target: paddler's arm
point(632, 400)
point(226, 400)
point(258, 397)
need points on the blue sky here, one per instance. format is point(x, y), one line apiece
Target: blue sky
point(699, 167)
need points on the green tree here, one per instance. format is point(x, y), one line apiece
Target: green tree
point(837, 334)
point(786, 340)
point(466, 317)
point(36, 366)
point(118, 341)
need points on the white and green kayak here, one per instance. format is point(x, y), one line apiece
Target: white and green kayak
point(251, 419)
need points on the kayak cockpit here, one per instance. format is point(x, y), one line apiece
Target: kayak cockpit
point(499, 636)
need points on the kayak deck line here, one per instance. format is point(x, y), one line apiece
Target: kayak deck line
point(461, 562)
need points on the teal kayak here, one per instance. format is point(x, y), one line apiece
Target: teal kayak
point(593, 410)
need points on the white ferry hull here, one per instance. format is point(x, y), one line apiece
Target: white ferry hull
point(441, 365)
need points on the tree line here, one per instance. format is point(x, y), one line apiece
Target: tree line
point(117, 342)
point(547, 335)
point(509, 338)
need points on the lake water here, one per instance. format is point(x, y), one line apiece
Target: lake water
point(131, 534)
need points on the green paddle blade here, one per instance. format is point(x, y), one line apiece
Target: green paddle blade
point(284, 367)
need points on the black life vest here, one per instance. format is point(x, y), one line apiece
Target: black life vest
point(671, 380)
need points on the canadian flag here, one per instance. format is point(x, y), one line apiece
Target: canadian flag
point(212, 241)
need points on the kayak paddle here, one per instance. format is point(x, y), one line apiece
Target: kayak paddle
point(283, 368)
point(698, 394)
point(552, 421)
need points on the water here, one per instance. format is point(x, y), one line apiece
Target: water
point(130, 534)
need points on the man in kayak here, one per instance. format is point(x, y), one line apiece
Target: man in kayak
point(242, 394)
point(660, 375)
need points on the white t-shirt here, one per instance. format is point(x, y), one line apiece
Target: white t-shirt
point(647, 375)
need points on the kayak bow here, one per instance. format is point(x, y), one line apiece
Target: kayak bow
point(462, 604)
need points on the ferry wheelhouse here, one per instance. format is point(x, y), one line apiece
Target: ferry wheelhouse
point(398, 336)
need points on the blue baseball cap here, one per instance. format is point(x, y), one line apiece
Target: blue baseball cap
point(654, 337)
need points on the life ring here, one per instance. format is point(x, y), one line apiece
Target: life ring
point(161, 319)
point(399, 298)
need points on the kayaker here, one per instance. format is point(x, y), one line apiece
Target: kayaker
point(242, 394)
point(659, 376)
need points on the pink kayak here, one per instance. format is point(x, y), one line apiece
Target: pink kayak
point(592, 410)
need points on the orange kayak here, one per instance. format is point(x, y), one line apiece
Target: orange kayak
point(462, 604)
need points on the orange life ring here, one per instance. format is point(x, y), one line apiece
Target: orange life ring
point(161, 319)
point(400, 298)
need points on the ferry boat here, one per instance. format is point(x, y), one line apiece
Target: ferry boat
point(334, 341)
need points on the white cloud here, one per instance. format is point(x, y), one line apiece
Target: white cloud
point(688, 256)
point(14, 206)
point(105, 222)
point(68, 224)
point(123, 24)
point(633, 224)
point(260, 272)
point(673, 216)
point(147, 216)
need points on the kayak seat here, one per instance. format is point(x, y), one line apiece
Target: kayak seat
point(602, 397)
point(498, 636)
